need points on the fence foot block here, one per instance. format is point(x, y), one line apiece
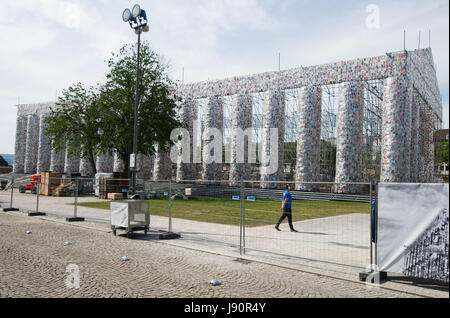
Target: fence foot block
point(364, 275)
point(36, 214)
point(74, 219)
point(10, 210)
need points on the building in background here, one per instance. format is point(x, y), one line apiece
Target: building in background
point(441, 165)
point(368, 119)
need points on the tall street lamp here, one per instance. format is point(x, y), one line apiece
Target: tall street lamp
point(137, 18)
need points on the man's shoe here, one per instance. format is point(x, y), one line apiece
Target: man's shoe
point(277, 228)
point(294, 231)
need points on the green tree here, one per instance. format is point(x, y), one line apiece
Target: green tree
point(444, 149)
point(74, 124)
point(157, 104)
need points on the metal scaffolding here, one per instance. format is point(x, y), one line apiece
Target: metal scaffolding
point(373, 102)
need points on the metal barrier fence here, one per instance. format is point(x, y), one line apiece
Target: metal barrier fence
point(325, 233)
point(333, 228)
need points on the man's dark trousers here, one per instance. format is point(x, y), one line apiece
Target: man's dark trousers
point(287, 214)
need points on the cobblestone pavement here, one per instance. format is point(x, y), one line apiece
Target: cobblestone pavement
point(34, 265)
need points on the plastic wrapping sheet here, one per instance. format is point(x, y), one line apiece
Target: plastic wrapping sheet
point(162, 166)
point(415, 132)
point(423, 74)
point(31, 152)
point(421, 169)
point(308, 142)
point(72, 163)
point(417, 65)
point(396, 130)
point(34, 109)
point(119, 165)
point(21, 144)
point(144, 165)
point(44, 150)
point(242, 119)
point(188, 114)
point(362, 69)
point(105, 163)
point(86, 168)
point(427, 133)
point(273, 118)
point(350, 137)
point(213, 118)
point(57, 161)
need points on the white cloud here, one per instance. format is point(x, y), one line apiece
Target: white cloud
point(53, 43)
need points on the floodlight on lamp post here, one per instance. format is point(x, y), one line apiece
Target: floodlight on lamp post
point(137, 18)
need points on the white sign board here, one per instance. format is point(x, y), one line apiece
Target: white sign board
point(188, 192)
point(132, 161)
point(413, 230)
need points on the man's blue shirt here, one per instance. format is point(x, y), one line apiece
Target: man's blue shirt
point(287, 195)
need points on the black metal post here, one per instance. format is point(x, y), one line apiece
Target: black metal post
point(10, 209)
point(75, 217)
point(136, 112)
point(37, 213)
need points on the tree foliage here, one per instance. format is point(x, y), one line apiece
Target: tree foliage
point(444, 149)
point(74, 123)
point(157, 103)
point(93, 121)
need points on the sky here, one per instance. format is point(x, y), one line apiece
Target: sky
point(47, 45)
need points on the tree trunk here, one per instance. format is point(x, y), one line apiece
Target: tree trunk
point(92, 160)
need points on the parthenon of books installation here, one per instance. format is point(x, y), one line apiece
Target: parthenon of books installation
point(350, 121)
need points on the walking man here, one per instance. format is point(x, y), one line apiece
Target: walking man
point(286, 207)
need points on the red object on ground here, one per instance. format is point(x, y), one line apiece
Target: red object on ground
point(34, 179)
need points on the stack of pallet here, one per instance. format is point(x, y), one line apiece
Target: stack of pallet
point(5, 170)
point(49, 183)
point(109, 185)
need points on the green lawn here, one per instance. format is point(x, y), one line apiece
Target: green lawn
point(258, 213)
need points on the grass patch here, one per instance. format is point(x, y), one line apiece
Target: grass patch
point(259, 213)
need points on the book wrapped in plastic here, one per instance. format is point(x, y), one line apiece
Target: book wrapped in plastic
point(57, 161)
point(308, 142)
point(188, 114)
point(213, 122)
point(21, 144)
point(31, 152)
point(427, 133)
point(72, 163)
point(349, 137)
point(242, 119)
point(396, 130)
point(144, 166)
point(86, 168)
point(415, 140)
point(105, 163)
point(162, 166)
point(119, 165)
point(44, 150)
point(273, 121)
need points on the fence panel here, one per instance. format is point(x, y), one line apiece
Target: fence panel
point(333, 221)
point(207, 216)
point(331, 232)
